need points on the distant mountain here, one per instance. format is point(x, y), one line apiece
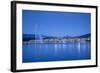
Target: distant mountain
point(67, 37)
point(27, 37)
point(49, 37)
point(81, 36)
point(84, 36)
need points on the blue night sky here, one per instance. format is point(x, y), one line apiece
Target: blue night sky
point(57, 24)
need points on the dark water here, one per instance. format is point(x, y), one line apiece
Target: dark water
point(56, 52)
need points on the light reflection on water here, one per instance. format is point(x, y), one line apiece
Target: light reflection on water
point(56, 51)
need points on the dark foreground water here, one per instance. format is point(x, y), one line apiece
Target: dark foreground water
point(56, 52)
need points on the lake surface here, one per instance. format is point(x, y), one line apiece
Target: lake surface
point(43, 52)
